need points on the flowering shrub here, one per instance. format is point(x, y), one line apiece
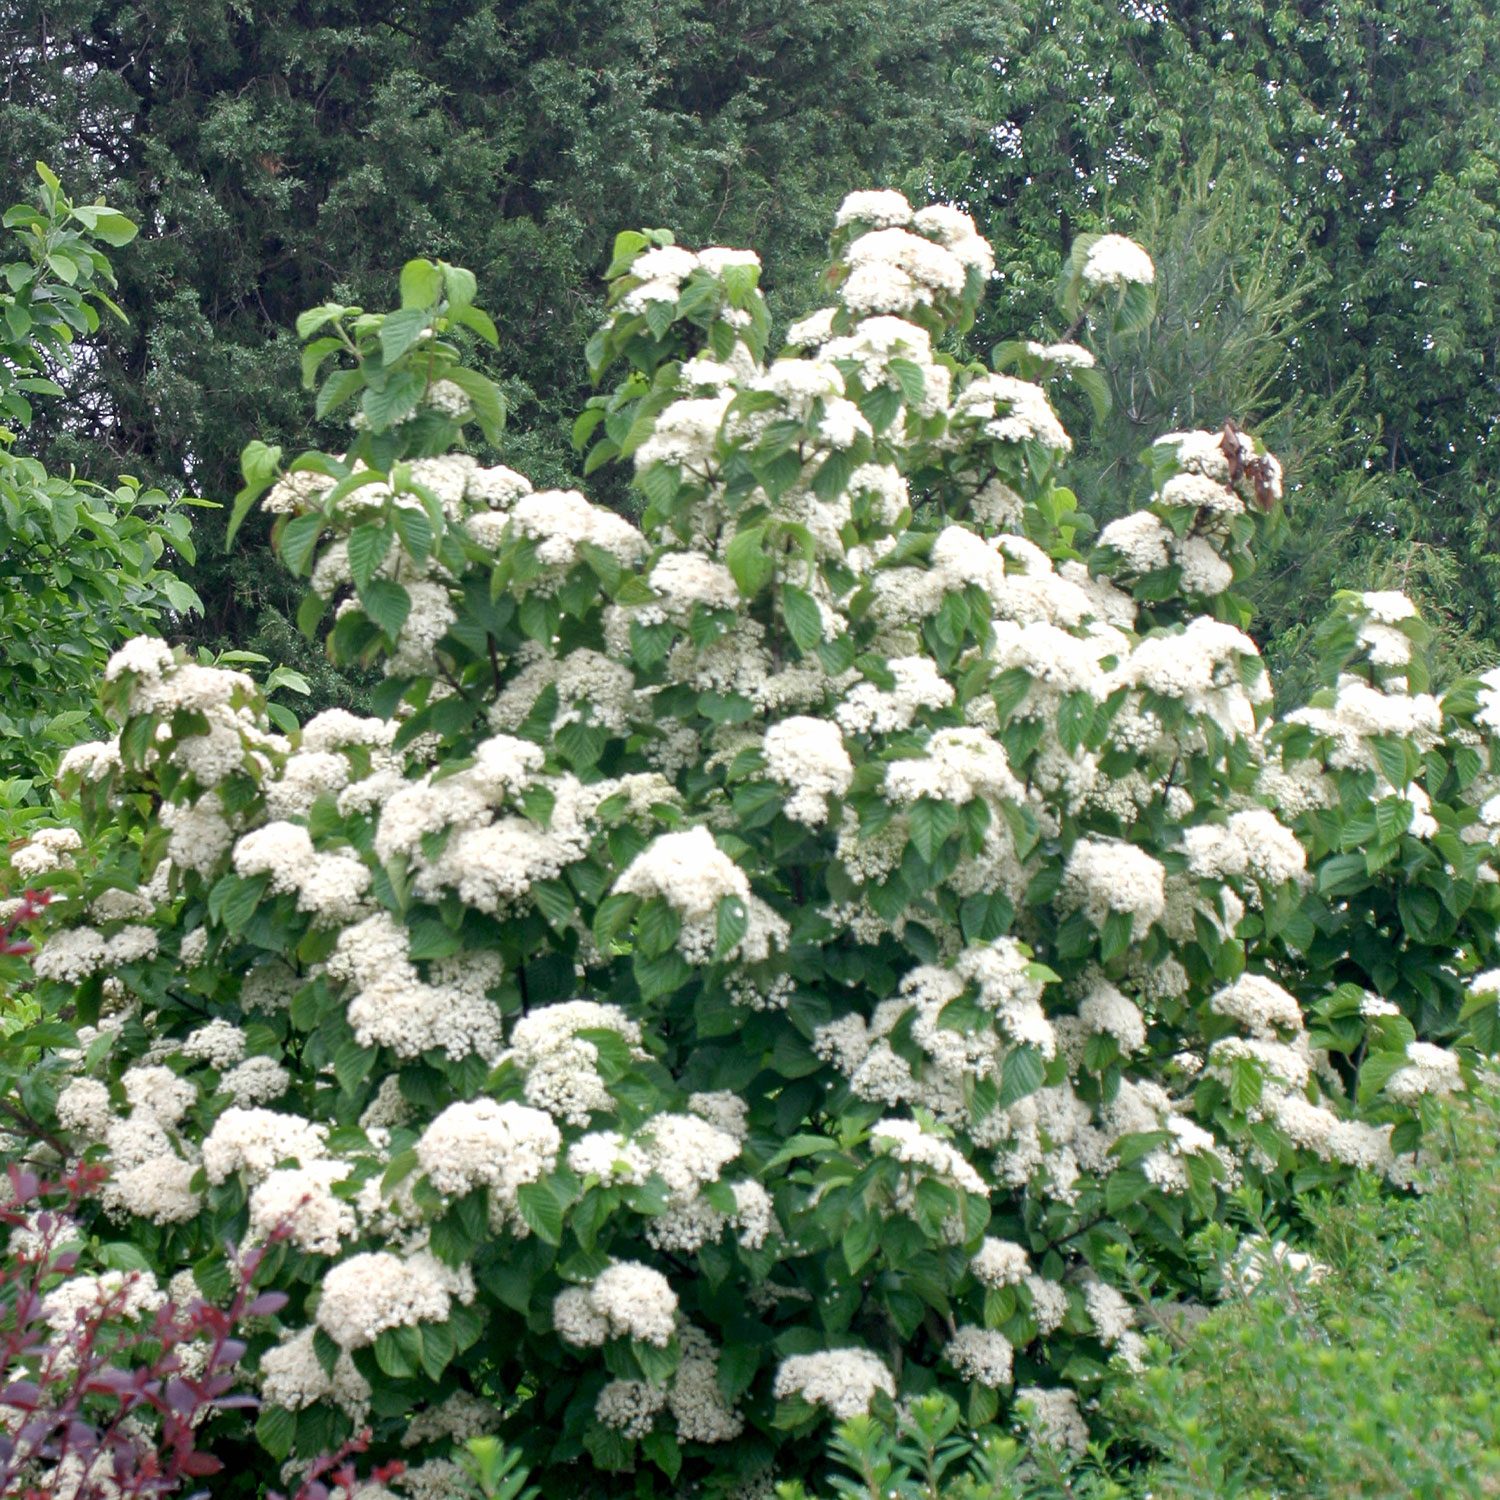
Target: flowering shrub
point(755, 962)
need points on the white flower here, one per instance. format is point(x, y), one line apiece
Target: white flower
point(881, 208)
point(1105, 875)
point(1065, 356)
point(808, 755)
point(1429, 1070)
point(158, 1189)
point(1388, 607)
point(1106, 1010)
point(629, 1406)
point(1109, 1310)
point(1260, 1005)
point(626, 1300)
point(958, 766)
point(300, 1201)
point(843, 1380)
point(127, 1294)
point(1054, 1418)
point(561, 1067)
point(686, 433)
point(257, 1080)
point(291, 1376)
point(502, 1146)
point(1142, 540)
point(561, 519)
point(1113, 260)
point(258, 1140)
point(1000, 1263)
point(910, 1144)
point(220, 1044)
point(981, 1355)
point(366, 1294)
point(83, 1106)
point(1013, 411)
point(688, 870)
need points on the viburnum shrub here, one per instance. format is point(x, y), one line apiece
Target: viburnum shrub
point(755, 963)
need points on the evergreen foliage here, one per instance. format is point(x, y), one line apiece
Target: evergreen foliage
point(298, 152)
point(1355, 156)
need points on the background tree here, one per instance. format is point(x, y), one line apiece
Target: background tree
point(1357, 160)
point(279, 158)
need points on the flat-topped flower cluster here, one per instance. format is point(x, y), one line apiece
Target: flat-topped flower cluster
point(807, 924)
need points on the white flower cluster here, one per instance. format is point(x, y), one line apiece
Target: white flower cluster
point(842, 1380)
point(392, 1006)
point(363, 1296)
point(693, 875)
point(625, 1300)
point(780, 703)
point(808, 755)
point(983, 1355)
point(480, 1143)
point(1105, 875)
point(561, 1067)
point(1115, 261)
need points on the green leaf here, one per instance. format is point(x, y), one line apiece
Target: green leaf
point(931, 824)
point(542, 1211)
point(460, 284)
point(275, 1430)
point(113, 228)
point(314, 355)
point(1115, 939)
point(258, 463)
point(337, 389)
point(421, 286)
point(400, 331)
point(394, 400)
point(748, 561)
point(484, 397)
point(663, 1450)
point(833, 474)
point(351, 1065)
point(860, 1242)
point(298, 541)
point(368, 547)
point(732, 921)
point(398, 1351)
point(387, 604)
point(1023, 1075)
point(804, 620)
point(414, 529)
point(910, 378)
point(656, 927)
point(662, 975)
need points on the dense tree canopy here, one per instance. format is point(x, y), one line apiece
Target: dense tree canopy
point(1295, 169)
point(1358, 155)
point(279, 157)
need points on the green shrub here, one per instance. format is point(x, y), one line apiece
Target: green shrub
point(1362, 1364)
point(768, 962)
point(79, 567)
